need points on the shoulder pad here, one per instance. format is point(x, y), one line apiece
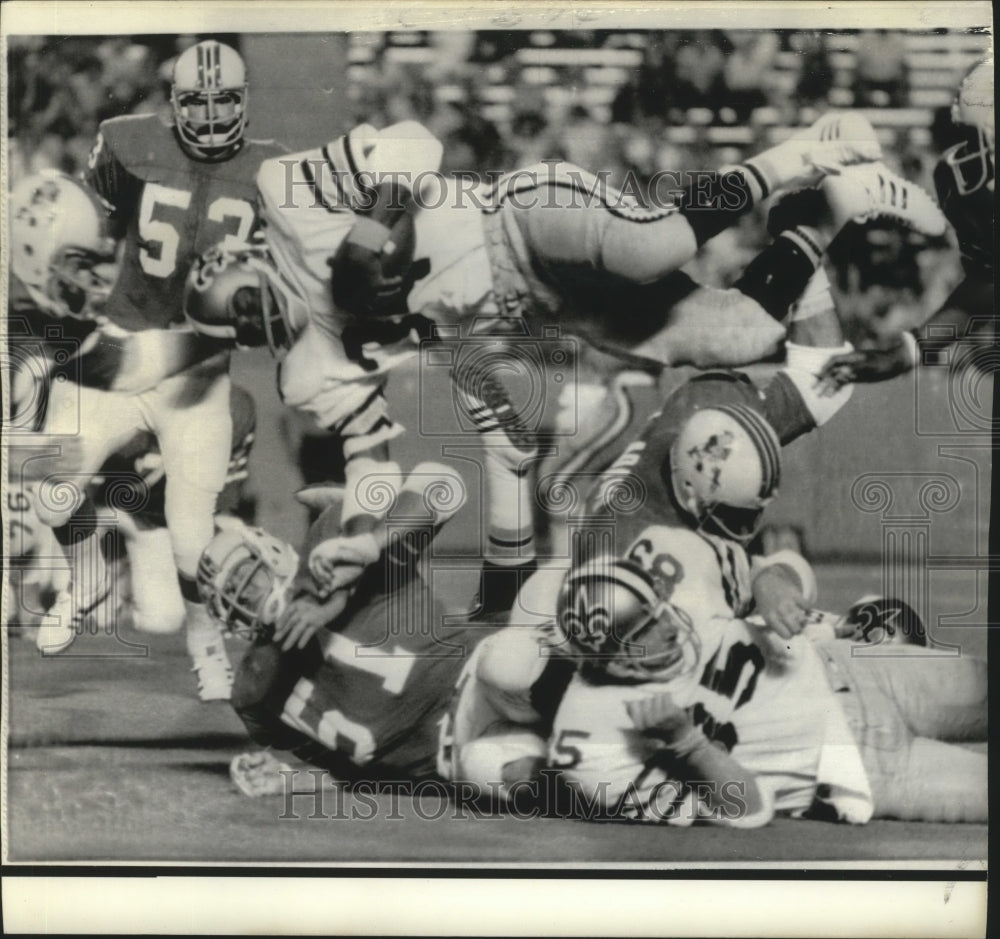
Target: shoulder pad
point(135, 138)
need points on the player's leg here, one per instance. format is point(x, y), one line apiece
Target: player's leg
point(99, 423)
point(942, 697)
point(937, 782)
point(569, 218)
point(494, 736)
point(509, 451)
point(156, 601)
point(911, 776)
point(195, 441)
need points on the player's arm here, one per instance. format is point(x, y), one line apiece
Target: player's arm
point(118, 188)
point(966, 314)
point(373, 269)
point(114, 359)
point(730, 792)
point(784, 591)
point(350, 536)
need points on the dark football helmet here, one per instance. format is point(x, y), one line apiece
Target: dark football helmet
point(616, 623)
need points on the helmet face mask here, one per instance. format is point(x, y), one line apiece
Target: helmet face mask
point(972, 160)
point(619, 626)
point(243, 578)
point(209, 99)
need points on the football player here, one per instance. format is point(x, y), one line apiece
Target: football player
point(474, 259)
point(361, 682)
point(680, 712)
point(964, 178)
point(171, 191)
point(133, 483)
point(62, 267)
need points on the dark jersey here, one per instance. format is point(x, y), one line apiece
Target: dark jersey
point(382, 686)
point(385, 682)
point(169, 208)
point(969, 210)
point(636, 491)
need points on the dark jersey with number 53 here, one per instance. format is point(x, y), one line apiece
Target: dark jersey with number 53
point(169, 208)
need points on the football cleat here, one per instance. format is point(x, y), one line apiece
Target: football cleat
point(863, 193)
point(834, 142)
point(846, 128)
point(71, 616)
point(215, 673)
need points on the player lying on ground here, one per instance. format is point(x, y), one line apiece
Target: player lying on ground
point(680, 713)
point(964, 178)
point(673, 574)
point(171, 191)
point(370, 681)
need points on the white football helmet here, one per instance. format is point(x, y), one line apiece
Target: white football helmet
point(725, 467)
point(237, 293)
point(972, 113)
point(209, 97)
point(243, 578)
point(60, 246)
point(617, 623)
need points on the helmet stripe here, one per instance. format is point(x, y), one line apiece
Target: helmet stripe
point(765, 442)
point(631, 578)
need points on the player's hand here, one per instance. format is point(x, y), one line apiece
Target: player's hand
point(660, 717)
point(338, 562)
point(302, 619)
point(780, 603)
point(865, 365)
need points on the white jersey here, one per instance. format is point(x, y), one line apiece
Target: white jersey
point(780, 720)
point(307, 203)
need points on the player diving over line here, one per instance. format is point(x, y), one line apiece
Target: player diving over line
point(282, 293)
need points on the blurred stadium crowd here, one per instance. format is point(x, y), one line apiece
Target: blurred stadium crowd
point(623, 102)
